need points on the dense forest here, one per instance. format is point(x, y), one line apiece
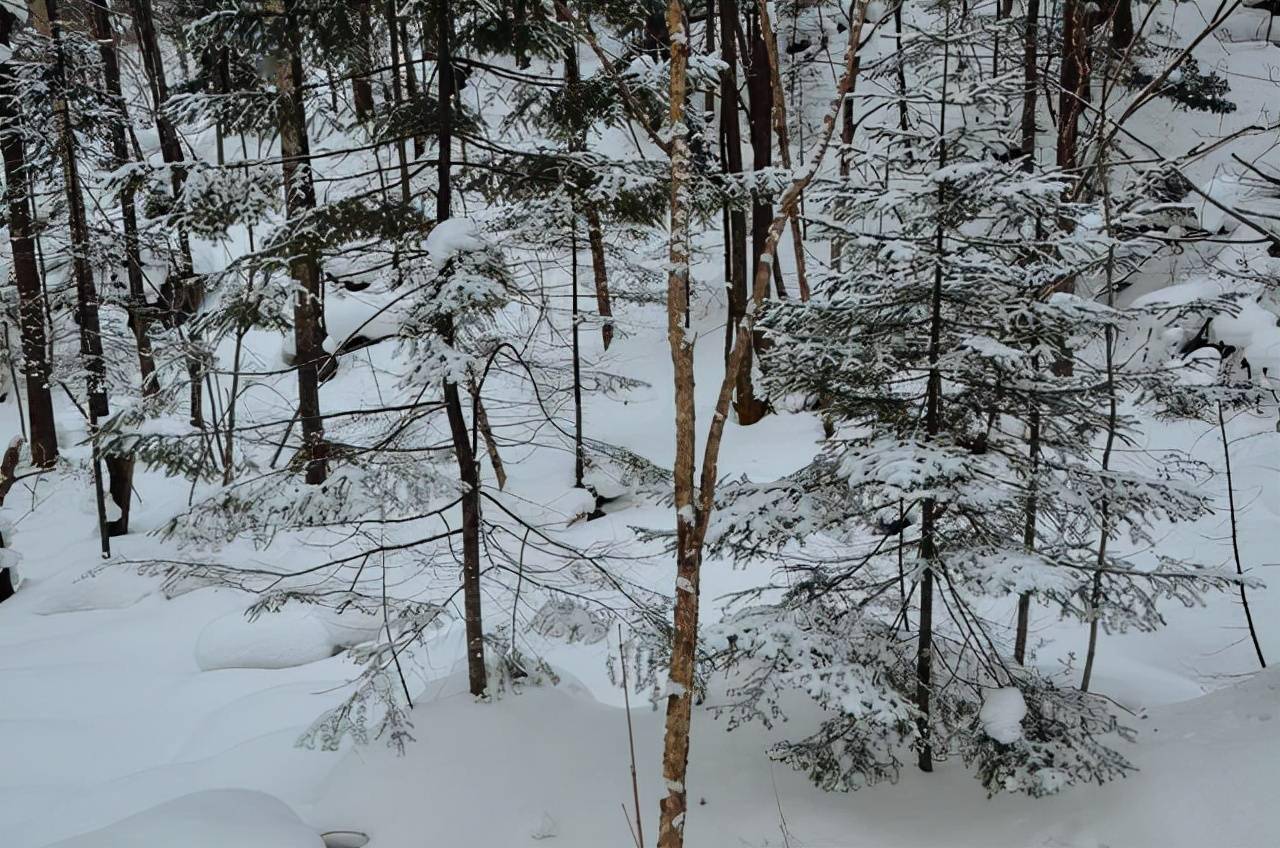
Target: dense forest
point(393, 386)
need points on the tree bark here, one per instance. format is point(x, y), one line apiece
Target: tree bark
point(748, 407)
point(600, 273)
point(780, 130)
point(467, 469)
point(694, 508)
point(300, 198)
point(82, 270)
point(361, 84)
point(1028, 536)
point(675, 752)
point(1073, 80)
point(35, 363)
point(1030, 79)
point(185, 294)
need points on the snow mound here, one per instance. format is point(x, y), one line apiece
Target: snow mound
point(449, 238)
point(113, 591)
point(284, 639)
point(1002, 713)
point(219, 818)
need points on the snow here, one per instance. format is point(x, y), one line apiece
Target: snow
point(272, 640)
point(214, 819)
point(449, 238)
point(1002, 713)
point(16, 8)
point(128, 707)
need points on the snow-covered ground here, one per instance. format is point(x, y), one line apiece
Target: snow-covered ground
point(135, 718)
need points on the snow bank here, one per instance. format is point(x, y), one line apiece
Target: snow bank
point(284, 639)
point(220, 818)
point(1002, 713)
point(107, 591)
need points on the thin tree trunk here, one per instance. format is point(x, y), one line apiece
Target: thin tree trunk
point(599, 271)
point(693, 519)
point(105, 36)
point(361, 84)
point(1235, 538)
point(467, 468)
point(397, 99)
point(186, 294)
point(82, 270)
point(933, 425)
point(784, 144)
point(1030, 74)
point(410, 81)
point(675, 752)
point(300, 199)
point(35, 363)
point(750, 408)
point(1028, 536)
point(486, 433)
point(1073, 80)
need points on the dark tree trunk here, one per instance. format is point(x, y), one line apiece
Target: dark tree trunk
point(397, 98)
point(1122, 25)
point(1028, 537)
point(82, 270)
point(184, 294)
point(760, 122)
point(1030, 79)
point(1073, 80)
point(120, 468)
point(749, 408)
point(102, 32)
point(44, 436)
point(308, 304)
point(361, 84)
point(467, 469)
point(595, 236)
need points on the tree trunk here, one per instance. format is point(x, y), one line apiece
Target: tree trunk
point(1073, 80)
point(675, 753)
point(780, 130)
point(760, 102)
point(397, 98)
point(467, 469)
point(748, 407)
point(120, 468)
point(35, 364)
point(1028, 536)
point(300, 198)
point(185, 294)
point(361, 84)
point(595, 238)
point(82, 270)
point(692, 519)
point(1030, 79)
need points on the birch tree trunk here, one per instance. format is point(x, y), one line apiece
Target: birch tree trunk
point(675, 752)
point(694, 507)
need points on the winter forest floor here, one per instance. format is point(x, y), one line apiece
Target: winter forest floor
point(117, 697)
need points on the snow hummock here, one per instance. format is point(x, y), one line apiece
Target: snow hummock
point(449, 238)
point(218, 818)
point(1002, 713)
point(282, 639)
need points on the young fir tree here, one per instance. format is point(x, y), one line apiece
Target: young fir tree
point(964, 468)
